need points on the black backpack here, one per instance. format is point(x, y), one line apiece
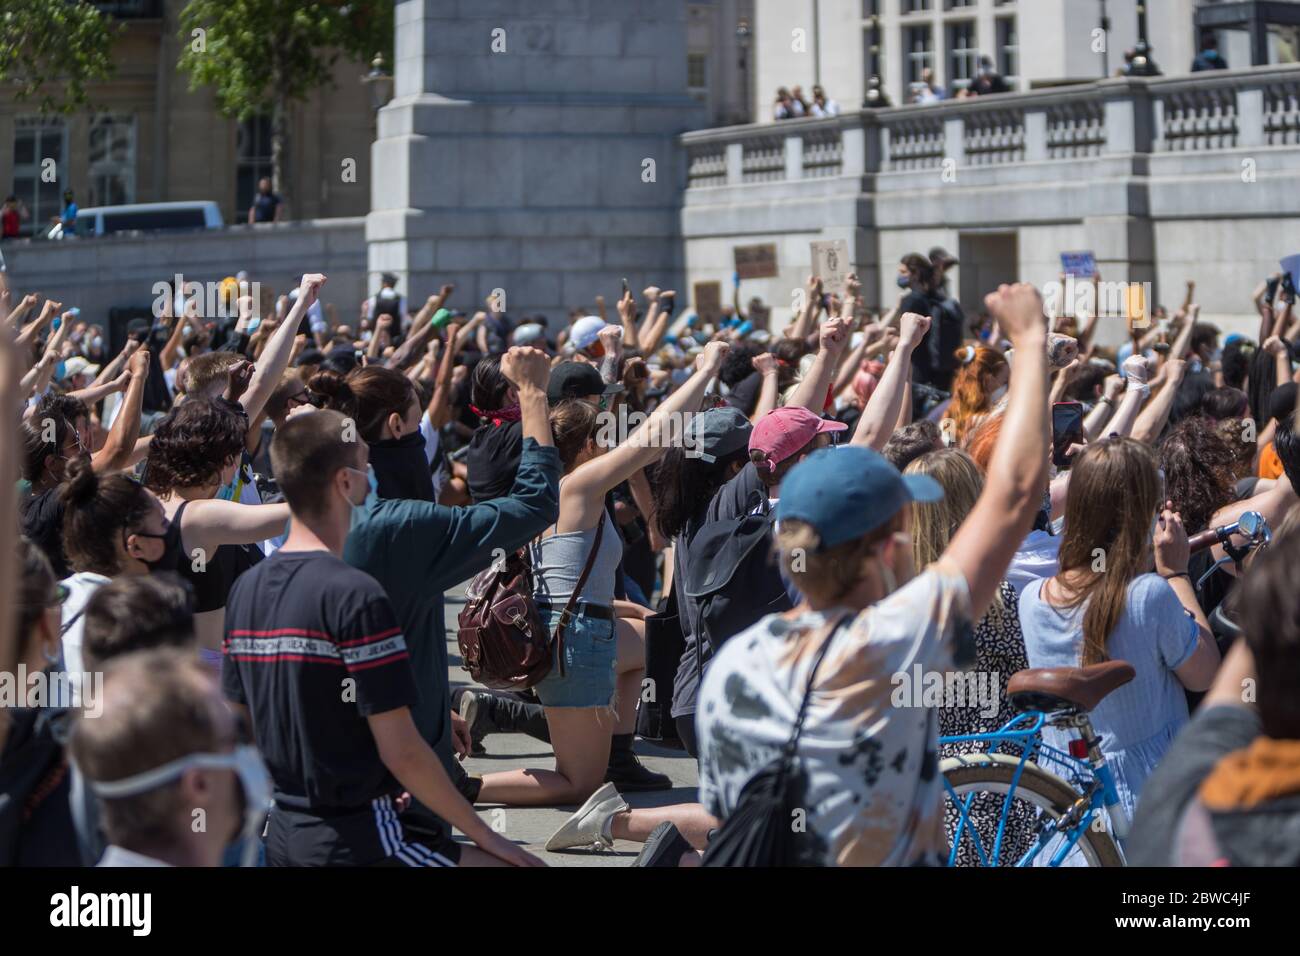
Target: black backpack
point(760, 830)
point(734, 578)
point(949, 330)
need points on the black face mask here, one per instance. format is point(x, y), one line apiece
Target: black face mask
point(172, 550)
point(402, 468)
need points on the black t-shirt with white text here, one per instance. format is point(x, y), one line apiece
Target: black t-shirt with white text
point(313, 648)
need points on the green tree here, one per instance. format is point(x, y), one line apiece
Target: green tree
point(261, 55)
point(52, 50)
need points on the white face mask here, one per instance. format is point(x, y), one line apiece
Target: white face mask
point(254, 781)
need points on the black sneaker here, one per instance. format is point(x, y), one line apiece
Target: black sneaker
point(629, 775)
point(476, 711)
point(664, 847)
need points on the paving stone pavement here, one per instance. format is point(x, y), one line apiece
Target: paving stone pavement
point(532, 826)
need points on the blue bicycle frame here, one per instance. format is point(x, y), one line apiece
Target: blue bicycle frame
point(1091, 779)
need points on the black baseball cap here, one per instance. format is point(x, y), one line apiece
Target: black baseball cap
point(577, 380)
point(942, 257)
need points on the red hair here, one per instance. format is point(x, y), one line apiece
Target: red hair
point(984, 439)
point(973, 386)
point(866, 380)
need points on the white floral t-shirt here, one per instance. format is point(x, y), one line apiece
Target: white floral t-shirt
point(872, 788)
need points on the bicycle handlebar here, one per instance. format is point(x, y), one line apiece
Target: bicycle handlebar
point(1209, 538)
point(1251, 525)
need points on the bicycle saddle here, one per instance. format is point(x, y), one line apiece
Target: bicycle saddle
point(1052, 689)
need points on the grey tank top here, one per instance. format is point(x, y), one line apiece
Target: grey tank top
point(558, 560)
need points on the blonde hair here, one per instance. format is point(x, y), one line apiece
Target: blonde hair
point(828, 576)
point(934, 523)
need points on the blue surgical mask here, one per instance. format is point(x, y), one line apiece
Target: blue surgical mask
point(227, 492)
point(904, 282)
point(371, 499)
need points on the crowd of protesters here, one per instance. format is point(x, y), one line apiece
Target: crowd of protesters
point(229, 540)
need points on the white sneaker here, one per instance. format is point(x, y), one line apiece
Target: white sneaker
point(586, 828)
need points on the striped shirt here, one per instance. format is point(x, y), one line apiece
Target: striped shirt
point(313, 648)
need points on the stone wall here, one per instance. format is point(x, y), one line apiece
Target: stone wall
point(98, 274)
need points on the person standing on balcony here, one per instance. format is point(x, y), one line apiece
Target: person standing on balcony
point(987, 81)
point(784, 107)
point(267, 206)
point(1209, 58)
point(11, 218)
point(926, 91)
point(821, 106)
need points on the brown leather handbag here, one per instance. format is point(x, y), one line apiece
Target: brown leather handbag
point(503, 643)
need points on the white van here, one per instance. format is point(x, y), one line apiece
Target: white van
point(146, 217)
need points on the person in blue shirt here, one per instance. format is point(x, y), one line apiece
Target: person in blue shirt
point(69, 217)
point(1209, 58)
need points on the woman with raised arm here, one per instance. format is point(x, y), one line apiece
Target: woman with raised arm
point(999, 649)
point(867, 760)
point(979, 384)
point(591, 692)
point(196, 450)
point(1106, 603)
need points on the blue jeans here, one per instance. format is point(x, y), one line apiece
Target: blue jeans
point(590, 649)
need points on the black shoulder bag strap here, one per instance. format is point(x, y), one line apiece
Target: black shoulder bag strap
point(788, 755)
point(567, 613)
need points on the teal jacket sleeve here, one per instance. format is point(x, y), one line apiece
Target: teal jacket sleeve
point(449, 545)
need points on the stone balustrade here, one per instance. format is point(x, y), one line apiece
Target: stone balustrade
point(1164, 179)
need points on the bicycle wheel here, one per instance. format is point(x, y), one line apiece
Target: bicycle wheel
point(985, 779)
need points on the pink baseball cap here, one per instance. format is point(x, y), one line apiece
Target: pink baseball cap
point(783, 431)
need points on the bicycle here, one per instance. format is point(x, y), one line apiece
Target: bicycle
point(1078, 808)
point(1078, 811)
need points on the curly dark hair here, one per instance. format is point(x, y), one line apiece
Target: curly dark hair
point(739, 363)
point(192, 443)
point(1198, 462)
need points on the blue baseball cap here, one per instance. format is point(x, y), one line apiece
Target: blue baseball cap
point(848, 492)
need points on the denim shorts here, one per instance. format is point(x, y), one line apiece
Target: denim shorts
point(589, 651)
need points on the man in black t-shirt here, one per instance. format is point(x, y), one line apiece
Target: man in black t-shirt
point(267, 205)
point(316, 661)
